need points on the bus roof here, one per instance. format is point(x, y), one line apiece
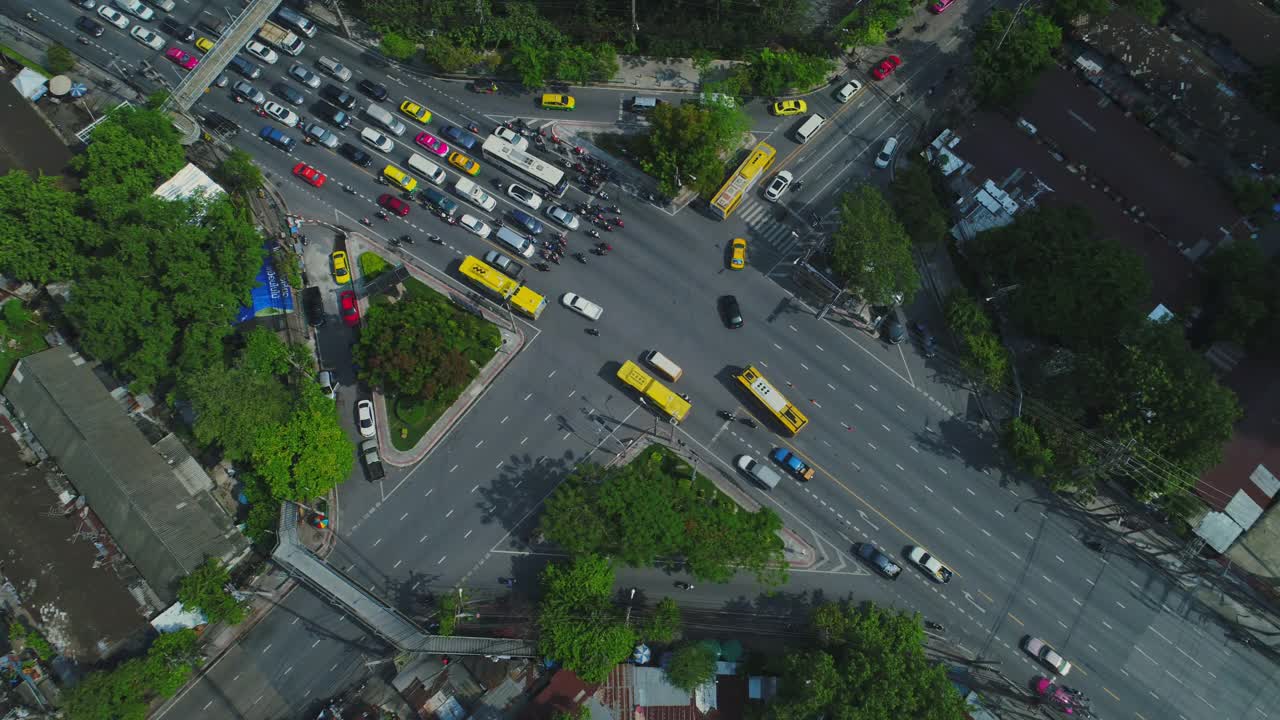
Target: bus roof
point(744, 177)
point(528, 302)
point(763, 390)
point(492, 280)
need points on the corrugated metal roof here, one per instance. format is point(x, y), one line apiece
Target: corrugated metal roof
point(165, 529)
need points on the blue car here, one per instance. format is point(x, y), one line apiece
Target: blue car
point(531, 224)
point(276, 137)
point(460, 137)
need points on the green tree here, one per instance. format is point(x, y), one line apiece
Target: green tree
point(1253, 196)
point(131, 152)
point(688, 143)
point(869, 662)
point(1027, 448)
point(1163, 395)
point(691, 665)
point(578, 625)
point(1242, 297)
point(775, 72)
point(447, 55)
point(125, 692)
point(986, 357)
point(238, 173)
point(1150, 10)
point(309, 454)
point(532, 63)
point(870, 250)
point(1067, 12)
point(205, 588)
point(397, 46)
point(870, 23)
point(59, 60)
point(423, 347)
point(664, 625)
point(42, 236)
point(1010, 52)
point(1092, 277)
point(582, 713)
point(915, 202)
point(964, 315)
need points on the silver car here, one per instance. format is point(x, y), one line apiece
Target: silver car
point(248, 92)
point(562, 216)
point(304, 76)
point(322, 135)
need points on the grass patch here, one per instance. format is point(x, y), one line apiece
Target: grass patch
point(21, 334)
point(372, 265)
point(410, 419)
point(18, 57)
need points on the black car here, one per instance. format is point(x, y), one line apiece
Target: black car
point(313, 304)
point(289, 93)
point(177, 29)
point(89, 27)
point(894, 331)
point(731, 312)
point(338, 96)
point(332, 115)
point(355, 155)
point(878, 560)
point(377, 91)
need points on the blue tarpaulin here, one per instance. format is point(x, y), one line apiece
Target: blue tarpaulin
point(271, 295)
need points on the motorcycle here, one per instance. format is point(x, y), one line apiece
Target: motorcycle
point(486, 88)
point(617, 222)
point(509, 582)
point(1095, 546)
point(727, 415)
point(435, 238)
point(684, 585)
point(594, 233)
point(598, 251)
point(602, 195)
point(383, 216)
point(348, 189)
point(614, 209)
point(750, 422)
point(580, 258)
point(395, 242)
point(82, 40)
point(542, 266)
point(406, 239)
point(474, 128)
point(592, 332)
point(366, 221)
point(604, 246)
point(796, 188)
point(934, 626)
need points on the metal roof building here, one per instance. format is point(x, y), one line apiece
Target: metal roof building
point(153, 497)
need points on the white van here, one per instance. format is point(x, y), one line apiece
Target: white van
point(762, 474)
point(809, 127)
point(663, 365)
point(518, 243)
point(385, 119)
point(165, 5)
point(297, 21)
point(427, 169)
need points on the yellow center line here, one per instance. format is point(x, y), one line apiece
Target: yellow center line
point(1107, 690)
point(1015, 619)
point(988, 597)
point(864, 501)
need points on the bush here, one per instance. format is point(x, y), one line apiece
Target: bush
point(59, 60)
point(398, 47)
point(206, 589)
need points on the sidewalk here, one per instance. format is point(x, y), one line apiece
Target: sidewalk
point(513, 341)
point(799, 553)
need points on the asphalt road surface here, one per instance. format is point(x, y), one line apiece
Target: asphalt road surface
point(899, 459)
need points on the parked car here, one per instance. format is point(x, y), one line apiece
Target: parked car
point(313, 304)
point(339, 268)
point(364, 418)
point(878, 560)
point(328, 384)
point(349, 308)
point(372, 464)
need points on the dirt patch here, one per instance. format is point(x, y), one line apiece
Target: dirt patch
point(85, 612)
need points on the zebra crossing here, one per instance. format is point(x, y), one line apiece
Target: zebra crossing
point(763, 225)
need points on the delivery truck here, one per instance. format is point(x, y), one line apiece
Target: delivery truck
point(275, 35)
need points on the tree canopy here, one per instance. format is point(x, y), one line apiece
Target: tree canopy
point(578, 624)
point(1092, 295)
point(1010, 52)
point(870, 250)
point(205, 588)
point(43, 237)
point(1242, 291)
point(692, 665)
point(645, 510)
point(125, 693)
point(914, 195)
point(688, 143)
point(869, 663)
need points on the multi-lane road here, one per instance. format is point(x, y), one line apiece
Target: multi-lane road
point(899, 462)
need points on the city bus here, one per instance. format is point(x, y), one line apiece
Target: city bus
point(525, 166)
point(790, 417)
point(521, 299)
point(743, 179)
point(654, 393)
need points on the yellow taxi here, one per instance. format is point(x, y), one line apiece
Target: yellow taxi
point(399, 177)
point(464, 163)
point(204, 44)
point(551, 101)
point(738, 254)
point(338, 261)
point(790, 107)
point(415, 111)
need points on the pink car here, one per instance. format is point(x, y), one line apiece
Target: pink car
point(940, 6)
point(183, 59)
point(432, 143)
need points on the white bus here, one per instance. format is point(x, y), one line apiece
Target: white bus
point(525, 166)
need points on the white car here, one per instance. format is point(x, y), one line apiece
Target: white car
point(886, 153)
point(562, 216)
point(135, 8)
point(526, 196)
point(846, 93)
point(113, 16)
point(286, 116)
point(377, 139)
point(780, 183)
point(364, 418)
point(930, 564)
point(512, 137)
point(328, 384)
point(1040, 650)
point(262, 52)
point(582, 306)
point(304, 76)
point(146, 37)
point(475, 225)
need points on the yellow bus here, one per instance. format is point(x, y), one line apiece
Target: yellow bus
point(522, 299)
point(774, 401)
point(743, 179)
point(666, 400)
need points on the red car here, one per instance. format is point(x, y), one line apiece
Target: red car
point(349, 308)
point(886, 66)
point(182, 59)
point(940, 6)
point(394, 204)
point(310, 174)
